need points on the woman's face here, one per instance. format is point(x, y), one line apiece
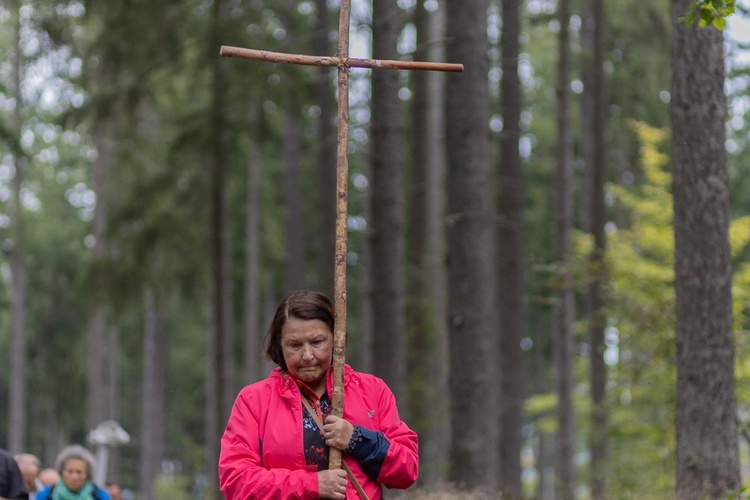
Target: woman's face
point(307, 345)
point(74, 474)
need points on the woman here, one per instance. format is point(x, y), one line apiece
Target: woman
point(76, 467)
point(272, 447)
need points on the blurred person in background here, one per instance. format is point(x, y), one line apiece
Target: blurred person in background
point(76, 467)
point(114, 490)
point(48, 477)
point(30, 465)
point(11, 479)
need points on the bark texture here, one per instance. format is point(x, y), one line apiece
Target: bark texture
point(387, 217)
point(511, 259)
point(428, 335)
point(253, 338)
point(471, 250)
point(221, 391)
point(564, 352)
point(326, 139)
point(294, 262)
point(706, 421)
point(598, 216)
point(18, 387)
point(155, 367)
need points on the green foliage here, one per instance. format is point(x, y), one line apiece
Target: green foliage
point(159, 58)
point(172, 486)
point(743, 493)
point(641, 311)
point(709, 13)
point(161, 95)
point(540, 408)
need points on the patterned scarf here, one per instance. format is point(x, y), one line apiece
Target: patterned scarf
point(61, 492)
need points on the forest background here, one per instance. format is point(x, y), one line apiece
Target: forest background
point(511, 238)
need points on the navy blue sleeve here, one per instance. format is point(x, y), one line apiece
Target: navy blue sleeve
point(369, 448)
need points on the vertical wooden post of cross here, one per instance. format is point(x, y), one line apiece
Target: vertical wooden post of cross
point(343, 62)
point(342, 203)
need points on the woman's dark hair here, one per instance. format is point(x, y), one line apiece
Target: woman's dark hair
point(300, 305)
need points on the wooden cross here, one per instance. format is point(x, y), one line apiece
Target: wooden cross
point(343, 62)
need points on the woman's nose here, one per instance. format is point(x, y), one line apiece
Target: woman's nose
point(307, 352)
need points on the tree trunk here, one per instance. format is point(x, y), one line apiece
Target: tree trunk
point(294, 262)
point(112, 409)
point(386, 223)
point(597, 262)
point(511, 262)
point(102, 72)
point(155, 364)
point(706, 420)
point(428, 349)
point(104, 138)
point(253, 347)
point(17, 403)
point(326, 138)
point(229, 368)
point(222, 387)
point(586, 143)
point(471, 251)
point(563, 311)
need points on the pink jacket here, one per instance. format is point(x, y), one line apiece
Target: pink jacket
point(262, 453)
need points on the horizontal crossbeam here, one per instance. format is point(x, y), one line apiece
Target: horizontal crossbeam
point(351, 62)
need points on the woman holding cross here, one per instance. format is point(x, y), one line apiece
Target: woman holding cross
point(279, 433)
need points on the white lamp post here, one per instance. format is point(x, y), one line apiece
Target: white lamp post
point(107, 433)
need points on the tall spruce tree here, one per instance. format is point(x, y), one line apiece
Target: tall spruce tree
point(326, 139)
point(221, 392)
point(706, 419)
point(18, 386)
point(386, 225)
point(294, 230)
point(563, 340)
point(596, 169)
point(471, 250)
point(511, 257)
point(103, 64)
point(427, 350)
